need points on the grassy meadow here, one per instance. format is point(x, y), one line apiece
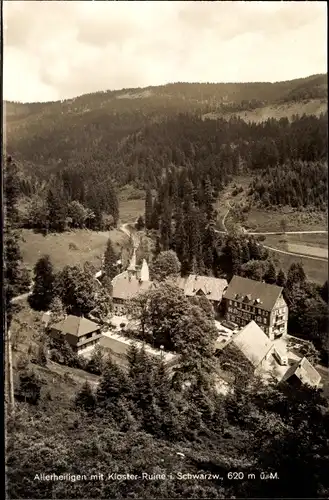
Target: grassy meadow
point(71, 247)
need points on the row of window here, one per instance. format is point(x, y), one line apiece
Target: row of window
point(249, 316)
point(245, 307)
point(241, 320)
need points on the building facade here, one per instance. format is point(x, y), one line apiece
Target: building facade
point(247, 300)
point(79, 332)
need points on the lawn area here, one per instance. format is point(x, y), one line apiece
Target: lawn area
point(131, 203)
point(259, 220)
point(130, 210)
point(316, 270)
point(70, 248)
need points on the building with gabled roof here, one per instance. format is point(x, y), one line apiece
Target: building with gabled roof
point(247, 300)
point(303, 372)
point(253, 343)
point(78, 331)
point(206, 286)
point(129, 284)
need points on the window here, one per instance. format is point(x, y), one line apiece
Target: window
point(259, 311)
point(230, 302)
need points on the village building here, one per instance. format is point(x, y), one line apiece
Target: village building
point(254, 344)
point(247, 300)
point(128, 284)
point(79, 332)
point(203, 286)
point(301, 373)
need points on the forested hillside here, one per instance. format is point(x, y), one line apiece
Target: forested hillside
point(93, 127)
point(81, 150)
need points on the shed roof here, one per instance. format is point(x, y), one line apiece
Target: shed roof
point(76, 325)
point(255, 293)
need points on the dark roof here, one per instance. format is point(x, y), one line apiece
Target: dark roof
point(76, 326)
point(254, 293)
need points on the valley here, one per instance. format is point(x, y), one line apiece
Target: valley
point(152, 219)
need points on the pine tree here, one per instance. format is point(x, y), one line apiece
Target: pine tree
point(85, 398)
point(270, 275)
point(96, 362)
point(155, 216)
point(57, 211)
point(30, 386)
point(281, 278)
point(165, 226)
point(12, 254)
point(296, 275)
point(110, 261)
point(148, 209)
point(112, 383)
point(43, 289)
point(57, 310)
point(181, 242)
point(208, 200)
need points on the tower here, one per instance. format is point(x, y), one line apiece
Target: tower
point(144, 274)
point(132, 266)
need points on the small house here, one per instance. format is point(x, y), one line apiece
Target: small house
point(78, 331)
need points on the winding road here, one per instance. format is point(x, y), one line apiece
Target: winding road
point(275, 233)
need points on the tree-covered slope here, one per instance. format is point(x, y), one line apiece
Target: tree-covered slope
point(112, 115)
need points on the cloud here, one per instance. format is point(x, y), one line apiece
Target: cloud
point(60, 49)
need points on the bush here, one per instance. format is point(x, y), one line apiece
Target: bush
point(55, 356)
point(22, 362)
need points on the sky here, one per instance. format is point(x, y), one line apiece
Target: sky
point(61, 49)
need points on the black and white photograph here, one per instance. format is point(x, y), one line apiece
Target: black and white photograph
point(165, 304)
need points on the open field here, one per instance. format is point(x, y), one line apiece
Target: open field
point(130, 210)
point(259, 220)
point(131, 203)
point(69, 248)
point(311, 244)
point(315, 245)
point(277, 111)
point(316, 270)
point(308, 250)
point(287, 110)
